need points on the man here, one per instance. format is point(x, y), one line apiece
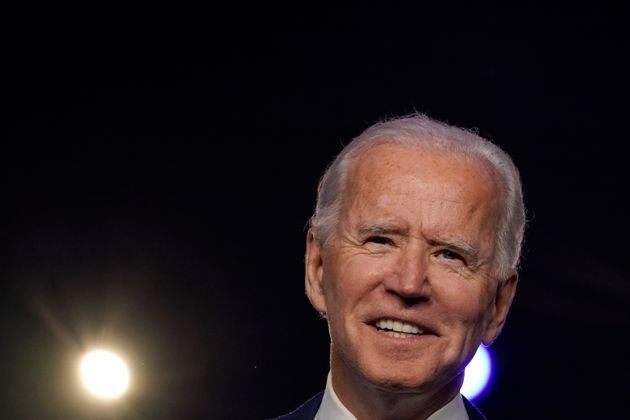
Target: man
point(412, 258)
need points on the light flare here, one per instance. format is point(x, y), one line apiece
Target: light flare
point(477, 374)
point(104, 374)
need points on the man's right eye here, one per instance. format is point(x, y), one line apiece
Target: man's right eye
point(381, 240)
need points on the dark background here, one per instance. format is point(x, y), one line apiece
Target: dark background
point(160, 164)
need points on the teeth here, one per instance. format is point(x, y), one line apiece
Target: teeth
point(397, 335)
point(398, 328)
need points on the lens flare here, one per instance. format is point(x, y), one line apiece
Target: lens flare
point(104, 374)
point(477, 374)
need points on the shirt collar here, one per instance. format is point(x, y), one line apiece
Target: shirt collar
point(332, 408)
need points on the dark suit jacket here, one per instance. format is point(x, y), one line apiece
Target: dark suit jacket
point(308, 410)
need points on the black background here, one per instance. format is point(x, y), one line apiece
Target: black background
point(160, 165)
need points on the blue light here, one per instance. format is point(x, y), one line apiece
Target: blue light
point(477, 374)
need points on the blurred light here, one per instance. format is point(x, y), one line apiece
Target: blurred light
point(104, 374)
point(477, 374)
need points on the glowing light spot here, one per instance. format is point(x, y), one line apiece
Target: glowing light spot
point(477, 374)
point(104, 374)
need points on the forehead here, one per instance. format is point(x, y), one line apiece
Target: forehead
point(392, 172)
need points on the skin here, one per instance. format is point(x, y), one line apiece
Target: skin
point(415, 241)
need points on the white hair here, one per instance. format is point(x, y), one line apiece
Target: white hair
point(420, 130)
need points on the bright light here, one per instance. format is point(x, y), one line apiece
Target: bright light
point(477, 374)
point(104, 374)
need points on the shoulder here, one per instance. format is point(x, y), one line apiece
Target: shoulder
point(306, 411)
point(473, 412)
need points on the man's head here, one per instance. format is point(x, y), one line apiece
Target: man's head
point(412, 254)
point(429, 134)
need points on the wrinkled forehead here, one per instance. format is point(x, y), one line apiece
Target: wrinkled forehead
point(435, 194)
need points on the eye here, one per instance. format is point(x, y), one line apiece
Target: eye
point(381, 240)
point(450, 255)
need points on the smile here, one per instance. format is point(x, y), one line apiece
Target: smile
point(397, 328)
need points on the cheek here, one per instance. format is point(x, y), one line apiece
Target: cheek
point(464, 311)
point(463, 305)
point(339, 288)
point(349, 281)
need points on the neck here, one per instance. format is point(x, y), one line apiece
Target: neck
point(366, 400)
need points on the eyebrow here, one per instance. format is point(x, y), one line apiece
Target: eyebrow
point(381, 229)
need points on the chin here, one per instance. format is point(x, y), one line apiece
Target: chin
point(411, 376)
point(398, 377)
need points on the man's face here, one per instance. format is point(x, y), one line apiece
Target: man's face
point(405, 281)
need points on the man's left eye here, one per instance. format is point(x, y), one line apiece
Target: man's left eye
point(450, 255)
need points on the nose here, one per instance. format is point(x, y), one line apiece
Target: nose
point(410, 277)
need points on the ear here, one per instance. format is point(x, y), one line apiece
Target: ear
point(314, 273)
point(502, 302)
